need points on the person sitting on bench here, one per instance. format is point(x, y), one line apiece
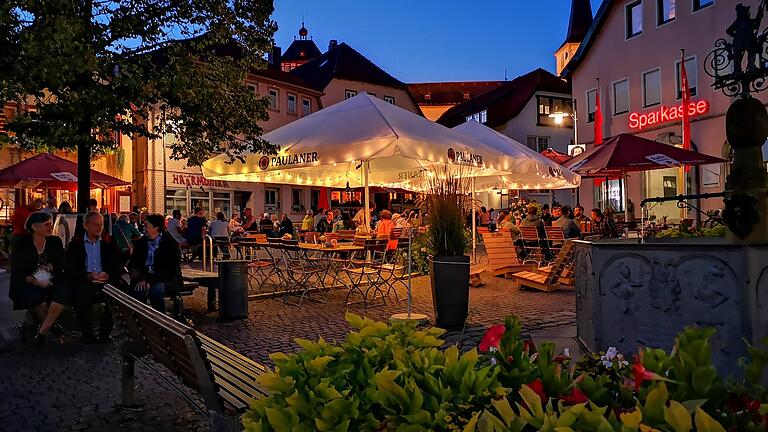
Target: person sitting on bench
point(92, 261)
point(155, 266)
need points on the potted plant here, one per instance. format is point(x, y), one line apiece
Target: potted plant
point(447, 241)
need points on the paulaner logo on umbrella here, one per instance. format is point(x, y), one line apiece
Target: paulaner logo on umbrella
point(464, 157)
point(296, 159)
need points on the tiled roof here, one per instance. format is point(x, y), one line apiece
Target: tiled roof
point(506, 101)
point(284, 77)
point(298, 47)
point(450, 93)
point(343, 62)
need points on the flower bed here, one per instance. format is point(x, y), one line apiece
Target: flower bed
point(396, 377)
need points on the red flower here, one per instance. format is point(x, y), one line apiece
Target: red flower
point(575, 397)
point(492, 337)
point(538, 386)
point(560, 359)
point(640, 373)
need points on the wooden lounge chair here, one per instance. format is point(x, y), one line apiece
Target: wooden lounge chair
point(474, 274)
point(545, 281)
point(502, 256)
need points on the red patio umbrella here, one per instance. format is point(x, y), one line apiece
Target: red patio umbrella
point(556, 156)
point(50, 171)
point(630, 153)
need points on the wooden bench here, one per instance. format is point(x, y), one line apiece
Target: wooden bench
point(226, 380)
point(502, 256)
point(546, 280)
point(474, 275)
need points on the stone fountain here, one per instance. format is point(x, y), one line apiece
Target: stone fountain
point(631, 295)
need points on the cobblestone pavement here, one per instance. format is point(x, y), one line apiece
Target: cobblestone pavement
point(72, 387)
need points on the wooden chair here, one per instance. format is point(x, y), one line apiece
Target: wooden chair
point(502, 256)
point(550, 280)
point(346, 235)
point(225, 379)
point(555, 237)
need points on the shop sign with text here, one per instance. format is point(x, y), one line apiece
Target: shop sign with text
point(197, 180)
point(664, 114)
point(287, 159)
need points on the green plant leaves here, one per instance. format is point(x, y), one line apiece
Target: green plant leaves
point(705, 423)
point(678, 417)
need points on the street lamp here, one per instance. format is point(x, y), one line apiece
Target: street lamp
point(559, 117)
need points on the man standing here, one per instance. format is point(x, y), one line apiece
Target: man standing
point(195, 227)
point(92, 261)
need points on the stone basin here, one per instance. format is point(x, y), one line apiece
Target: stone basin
point(631, 295)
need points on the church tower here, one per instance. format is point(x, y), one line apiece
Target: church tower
point(581, 20)
point(301, 51)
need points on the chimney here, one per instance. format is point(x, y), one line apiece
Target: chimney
point(275, 57)
point(332, 44)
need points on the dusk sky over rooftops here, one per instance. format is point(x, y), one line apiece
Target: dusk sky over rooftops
point(434, 40)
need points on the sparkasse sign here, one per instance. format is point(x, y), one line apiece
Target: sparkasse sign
point(664, 114)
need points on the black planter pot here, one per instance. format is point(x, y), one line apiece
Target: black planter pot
point(450, 290)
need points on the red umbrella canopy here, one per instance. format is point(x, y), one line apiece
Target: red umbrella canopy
point(52, 171)
point(626, 153)
point(555, 155)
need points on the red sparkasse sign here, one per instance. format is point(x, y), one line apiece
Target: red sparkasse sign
point(664, 114)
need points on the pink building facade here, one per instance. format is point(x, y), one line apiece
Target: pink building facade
point(634, 49)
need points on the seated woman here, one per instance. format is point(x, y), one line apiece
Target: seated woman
point(286, 226)
point(37, 275)
point(344, 224)
point(384, 228)
point(155, 265)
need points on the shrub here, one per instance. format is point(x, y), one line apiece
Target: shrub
point(397, 378)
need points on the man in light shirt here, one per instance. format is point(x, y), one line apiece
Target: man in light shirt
point(174, 228)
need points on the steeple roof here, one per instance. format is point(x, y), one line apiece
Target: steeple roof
point(581, 20)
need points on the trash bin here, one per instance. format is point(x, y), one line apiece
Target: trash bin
point(233, 289)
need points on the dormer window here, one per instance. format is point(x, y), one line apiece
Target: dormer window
point(427, 96)
point(466, 95)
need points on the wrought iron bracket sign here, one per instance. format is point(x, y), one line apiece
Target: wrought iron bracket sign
point(739, 66)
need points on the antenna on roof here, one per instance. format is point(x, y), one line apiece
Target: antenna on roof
point(505, 74)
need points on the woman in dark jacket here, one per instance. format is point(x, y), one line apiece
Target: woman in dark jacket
point(286, 226)
point(155, 265)
point(37, 274)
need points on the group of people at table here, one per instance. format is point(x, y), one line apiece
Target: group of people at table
point(574, 222)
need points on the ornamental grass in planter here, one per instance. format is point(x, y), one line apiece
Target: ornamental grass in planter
point(399, 378)
point(447, 201)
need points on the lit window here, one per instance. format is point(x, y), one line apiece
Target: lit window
point(291, 104)
point(634, 12)
point(480, 117)
point(306, 106)
point(621, 97)
point(666, 10)
point(391, 99)
point(701, 4)
point(591, 96)
point(274, 96)
point(349, 94)
point(693, 77)
point(652, 88)
point(253, 88)
point(669, 183)
point(427, 96)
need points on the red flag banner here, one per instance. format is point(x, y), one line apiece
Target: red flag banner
point(686, 95)
point(598, 119)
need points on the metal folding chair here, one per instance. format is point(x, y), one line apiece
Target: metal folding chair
point(366, 272)
point(532, 245)
point(303, 276)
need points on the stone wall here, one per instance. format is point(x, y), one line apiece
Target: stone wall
point(630, 295)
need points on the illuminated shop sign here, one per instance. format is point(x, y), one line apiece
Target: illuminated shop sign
point(287, 159)
point(666, 114)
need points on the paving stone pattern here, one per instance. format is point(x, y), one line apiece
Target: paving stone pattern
point(71, 387)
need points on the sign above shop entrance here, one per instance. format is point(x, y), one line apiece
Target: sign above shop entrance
point(664, 114)
point(197, 180)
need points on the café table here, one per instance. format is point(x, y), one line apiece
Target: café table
point(208, 279)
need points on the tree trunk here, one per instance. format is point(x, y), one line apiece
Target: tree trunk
point(83, 176)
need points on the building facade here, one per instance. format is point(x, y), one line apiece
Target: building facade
point(300, 52)
point(163, 184)
point(634, 48)
point(435, 98)
point(521, 109)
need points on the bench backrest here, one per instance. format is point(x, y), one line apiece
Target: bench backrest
point(166, 340)
point(346, 235)
point(554, 233)
point(500, 249)
point(564, 257)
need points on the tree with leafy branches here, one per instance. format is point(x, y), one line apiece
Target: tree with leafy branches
point(81, 71)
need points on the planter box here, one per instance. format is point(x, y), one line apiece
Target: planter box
point(450, 290)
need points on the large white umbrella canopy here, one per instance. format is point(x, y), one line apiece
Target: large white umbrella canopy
point(528, 170)
point(327, 148)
